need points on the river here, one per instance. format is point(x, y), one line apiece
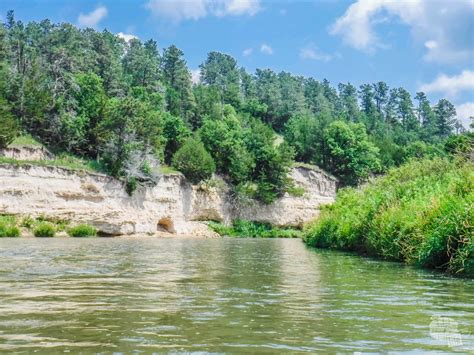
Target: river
point(222, 295)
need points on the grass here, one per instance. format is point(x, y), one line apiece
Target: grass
point(44, 230)
point(25, 141)
point(249, 229)
point(82, 231)
point(62, 161)
point(8, 227)
point(165, 169)
point(420, 213)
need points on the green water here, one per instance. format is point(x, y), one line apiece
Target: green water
point(221, 295)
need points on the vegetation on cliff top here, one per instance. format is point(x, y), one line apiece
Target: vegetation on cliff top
point(420, 213)
point(129, 106)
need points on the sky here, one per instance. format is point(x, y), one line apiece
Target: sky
point(423, 45)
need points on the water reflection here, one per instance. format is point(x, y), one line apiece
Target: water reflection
point(218, 295)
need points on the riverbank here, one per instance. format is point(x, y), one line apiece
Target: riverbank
point(42, 190)
point(420, 213)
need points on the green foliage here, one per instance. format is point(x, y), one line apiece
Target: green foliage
point(8, 125)
point(130, 135)
point(194, 161)
point(420, 213)
point(44, 230)
point(175, 132)
point(8, 227)
point(249, 229)
point(351, 155)
point(461, 144)
point(82, 230)
point(129, 105)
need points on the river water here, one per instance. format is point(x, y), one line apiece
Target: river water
point(221, 295)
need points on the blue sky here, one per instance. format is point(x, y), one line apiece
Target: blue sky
point(418, 44)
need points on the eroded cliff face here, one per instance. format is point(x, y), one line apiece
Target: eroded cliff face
point(173, 205)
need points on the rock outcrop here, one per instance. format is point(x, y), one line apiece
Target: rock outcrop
point(26, 153)
point(172, 206)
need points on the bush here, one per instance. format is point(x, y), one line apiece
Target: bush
point(250, 229)
point(194, 161)
point(82, 230)
point(44, 230)
point(420, 213)
point(8, 227)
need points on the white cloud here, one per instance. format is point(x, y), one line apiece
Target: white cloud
point(451, 85)
point(243, 7)
point(247, 52)
point(311, 52)
point(266, 49)
point(464, 112)
point(196, 76)
point(179, 10)
point(126, 36)
point(93, 18)
point(446, 32)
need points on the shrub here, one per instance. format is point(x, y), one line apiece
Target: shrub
point(250, 229)
point(8, 227)
point(44, 230)
point(82, 230)
point(27, 222)
point(194, 161)
point(9, 231)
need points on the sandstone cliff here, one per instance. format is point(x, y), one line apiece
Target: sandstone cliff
point(173, 205)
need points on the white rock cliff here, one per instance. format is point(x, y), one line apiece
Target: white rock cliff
point(173, 205)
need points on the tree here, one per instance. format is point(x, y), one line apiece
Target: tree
point(81, 121)
point(349, 107)
point(292, 98)
point(130, 130)
point(272, 162)
point(405, 109)
point(224, 139)
point(304, 134)
point(180, 98)
point(380, 95)
point(175, 133)
point(352, 157)
point(194, 161)
point(141, 64)
point(445, 117)
point(220, 70)
point(8, 125)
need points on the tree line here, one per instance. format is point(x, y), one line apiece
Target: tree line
point(130, 106)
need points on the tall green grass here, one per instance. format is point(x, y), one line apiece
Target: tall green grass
point(420, 213)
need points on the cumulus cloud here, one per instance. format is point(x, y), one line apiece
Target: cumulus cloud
point(179, 10)
point(464, 112)
point(451, 85)
point(445, 28)
point(247, 52)
point(311, 52)
point(126, 36)
point(196, 76)
point(266, 49)
point(242, 7)
point(93, 18)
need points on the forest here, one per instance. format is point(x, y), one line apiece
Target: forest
point(130, 107)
